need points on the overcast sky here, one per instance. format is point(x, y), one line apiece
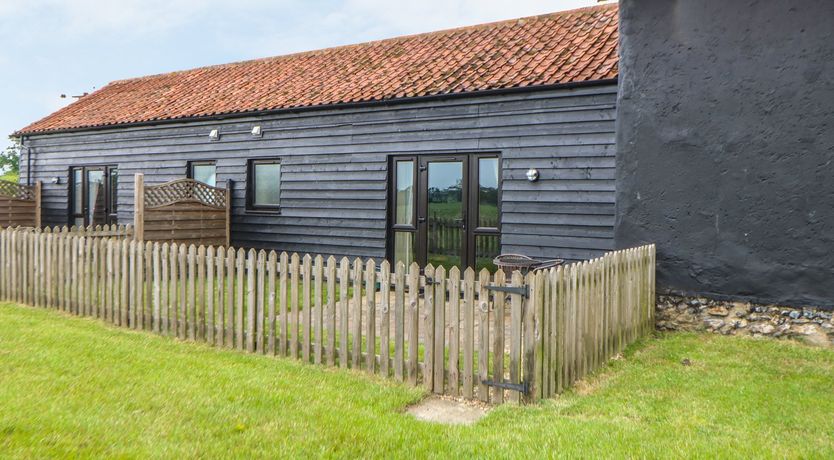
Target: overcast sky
point(54, 47)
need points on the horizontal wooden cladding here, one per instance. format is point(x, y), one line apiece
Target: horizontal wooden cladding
point(15, 203)
point(561, 241)
point(330, 240)
point(175, 226)
point(334, 165)
point(596, 101)
point(314, 224)
point(186, 221)
point(572, 176)
point(582, 231)
point(193, 209)
point(557, 196)
point(552, 252)
point(481, 138)
point(15, 212)
point(186, 205)
point(311, 231)
point(14, 222)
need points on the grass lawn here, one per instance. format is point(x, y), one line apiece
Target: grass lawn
point(76, 387)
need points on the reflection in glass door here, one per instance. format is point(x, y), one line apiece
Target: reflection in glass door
point(445, 210)
point(96, 214)
point(445, 213)
point(485, 238)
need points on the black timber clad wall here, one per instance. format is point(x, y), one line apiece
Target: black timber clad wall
point(334, 167)
point(726, 146)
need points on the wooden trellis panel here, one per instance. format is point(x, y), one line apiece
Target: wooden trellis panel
point(182, 211)
point(20, 205)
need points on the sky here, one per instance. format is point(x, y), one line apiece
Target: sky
point(54, 47)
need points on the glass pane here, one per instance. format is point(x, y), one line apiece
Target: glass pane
point(78, 222)
point(114, 187)
point(405, 192)
point(77, 191)
point(206, 174)
point(404, 248)
point(445, 213)
point(96, 214)
point(487, 247)
point(488, 192)
point(267, 184)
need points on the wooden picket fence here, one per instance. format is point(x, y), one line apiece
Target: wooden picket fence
point(97, 231)
point(475, 335)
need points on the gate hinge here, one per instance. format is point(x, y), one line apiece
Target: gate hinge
point(523, 387)
point(520, 290)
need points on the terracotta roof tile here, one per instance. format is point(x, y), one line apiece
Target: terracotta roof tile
point(570, 46)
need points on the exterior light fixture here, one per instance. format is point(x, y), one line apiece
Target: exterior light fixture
point(532, 175)
point(257, 131)
point(56, 180)
point(214, 135)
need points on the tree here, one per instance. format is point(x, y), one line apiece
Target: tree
point(10, 161)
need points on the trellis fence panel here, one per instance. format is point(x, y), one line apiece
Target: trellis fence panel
point(20, 205)
point(183, 211)
point(461, 333)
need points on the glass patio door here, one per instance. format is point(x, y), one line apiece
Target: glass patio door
point(93, 197)
point(445, 210)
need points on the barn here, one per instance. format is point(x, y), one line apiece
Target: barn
point(446, 147)
point(697, 126)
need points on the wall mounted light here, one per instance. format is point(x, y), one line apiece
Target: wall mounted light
point(532, 175)
point(257, 131)
point(214, 135)
point(55, 180)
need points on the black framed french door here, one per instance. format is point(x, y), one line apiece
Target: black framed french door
point(445, 209)
point(93, 197)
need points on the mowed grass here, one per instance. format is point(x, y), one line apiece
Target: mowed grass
point(76, 387)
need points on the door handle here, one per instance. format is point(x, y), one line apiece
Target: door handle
point(421, 220)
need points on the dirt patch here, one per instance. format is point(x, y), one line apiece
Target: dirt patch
point(448, 411)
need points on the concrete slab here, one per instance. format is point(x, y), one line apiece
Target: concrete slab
point(448, 411)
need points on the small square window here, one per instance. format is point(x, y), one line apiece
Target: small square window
point(203, 171)
point(264, 181)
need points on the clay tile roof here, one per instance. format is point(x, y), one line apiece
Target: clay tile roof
point(565, 47)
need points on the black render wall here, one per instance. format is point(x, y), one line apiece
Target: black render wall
point(334, 167)
point(725, 145)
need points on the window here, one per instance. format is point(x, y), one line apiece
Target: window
point(93, 195)
point(404, 228)
point(264, 185)
point(77, 201)
point(488, 192)
point(114, 195)
point(203, 171)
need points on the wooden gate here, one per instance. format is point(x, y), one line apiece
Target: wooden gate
point(182, 211)
point(20, 205)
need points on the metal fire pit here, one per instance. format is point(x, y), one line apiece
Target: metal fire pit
point(512, 262)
